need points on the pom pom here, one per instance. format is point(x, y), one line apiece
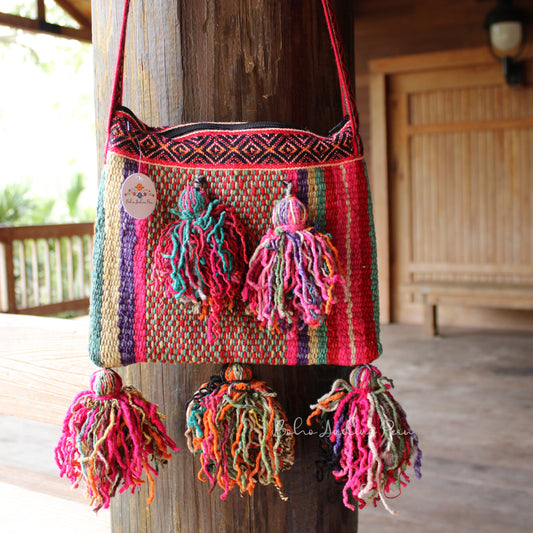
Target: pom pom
point(293, 271)
point(111, 435)
point(366, 440)
point(201, 259)
point(236, 425)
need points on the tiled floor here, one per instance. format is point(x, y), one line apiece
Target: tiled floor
point(468, 395)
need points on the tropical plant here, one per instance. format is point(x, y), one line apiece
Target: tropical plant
point(15, 204)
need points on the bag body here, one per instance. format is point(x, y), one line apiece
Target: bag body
point(246, 166)
point(269, 229)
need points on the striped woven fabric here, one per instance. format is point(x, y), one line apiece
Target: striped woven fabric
point(246, 166)
point(131, 322)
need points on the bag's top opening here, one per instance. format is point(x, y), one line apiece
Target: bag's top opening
point(238, 144)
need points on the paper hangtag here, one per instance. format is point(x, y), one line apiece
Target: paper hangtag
point(139, 196)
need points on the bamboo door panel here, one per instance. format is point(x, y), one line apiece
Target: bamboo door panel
point(460, 184)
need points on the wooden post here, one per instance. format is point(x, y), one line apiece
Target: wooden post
point(227, 61)
point(9, 264)
point(430, 319)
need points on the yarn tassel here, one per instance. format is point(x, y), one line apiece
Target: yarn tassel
point(293, 271)
point(240, 431)
point(111, 435)
point(201, 259)
point(366, 440)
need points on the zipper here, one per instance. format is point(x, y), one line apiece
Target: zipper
point(227, 126)
point(178, 131)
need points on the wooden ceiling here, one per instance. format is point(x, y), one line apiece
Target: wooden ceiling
point(79, 10)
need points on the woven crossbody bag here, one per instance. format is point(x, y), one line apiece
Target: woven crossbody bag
point(233, 243)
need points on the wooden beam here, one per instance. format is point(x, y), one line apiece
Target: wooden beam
point(380, 188)
point(80, 304)
point(41, 10)
point(447, 59)
point(41, 26)
point(10, 277)
point(45, 231)
point(80, 17)
point(474, 125)
point(431, 328)
point(226, 61)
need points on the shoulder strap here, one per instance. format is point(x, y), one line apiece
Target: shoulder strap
point(116, 97)
point(348, 100)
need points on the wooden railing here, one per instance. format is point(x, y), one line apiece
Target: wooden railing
point(45, 270)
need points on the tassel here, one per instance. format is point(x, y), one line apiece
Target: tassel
point(110, 436)
point(240, 431)
point(366, 440)
point(292, 272)
point(201, 259)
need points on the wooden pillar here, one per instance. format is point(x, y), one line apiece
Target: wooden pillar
point(224, 60)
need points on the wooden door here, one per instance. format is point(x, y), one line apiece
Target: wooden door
point(454, 150)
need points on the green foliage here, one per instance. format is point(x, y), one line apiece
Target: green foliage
point(18, 207)
point(73, 193)
point(42, 211)
point(15, 205)
point(76, 213)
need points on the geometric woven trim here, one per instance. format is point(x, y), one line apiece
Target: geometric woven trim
point(265, 146)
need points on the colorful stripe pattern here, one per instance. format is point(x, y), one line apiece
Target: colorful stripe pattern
point(131, 322)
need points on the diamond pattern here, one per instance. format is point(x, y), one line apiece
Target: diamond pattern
point(265, 146)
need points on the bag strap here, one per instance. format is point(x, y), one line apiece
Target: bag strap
point(348, 100)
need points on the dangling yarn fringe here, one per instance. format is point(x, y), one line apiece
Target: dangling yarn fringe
point(201, 259)
point(366, 440)
point(293, 271)
point(236, 425)
point(111, 435)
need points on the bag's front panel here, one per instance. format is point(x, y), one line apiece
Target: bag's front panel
point(134, 322)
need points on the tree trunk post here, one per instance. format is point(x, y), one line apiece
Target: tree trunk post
point(226, 60)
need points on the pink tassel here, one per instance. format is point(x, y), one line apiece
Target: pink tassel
point(200, 260)
point(366, 440)
point(293, 271)
point(111, 435)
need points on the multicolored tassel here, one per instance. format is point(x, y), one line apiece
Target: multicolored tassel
point(240, 431)
point(201, 259)
point(293, 271)
point(111, 435)
point(366, 440)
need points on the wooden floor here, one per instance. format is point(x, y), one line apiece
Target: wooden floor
point(43, 364)
point(468, 395)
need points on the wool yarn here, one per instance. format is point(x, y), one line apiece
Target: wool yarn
point(293, 271)
point(201, 259)
point(237, 427)
point(111, 437)
point(366, 440)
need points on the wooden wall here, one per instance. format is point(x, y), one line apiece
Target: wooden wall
point(387, 28)
point(459, 184)
point(460, 231)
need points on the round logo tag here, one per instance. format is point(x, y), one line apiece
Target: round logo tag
point(139, 196)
